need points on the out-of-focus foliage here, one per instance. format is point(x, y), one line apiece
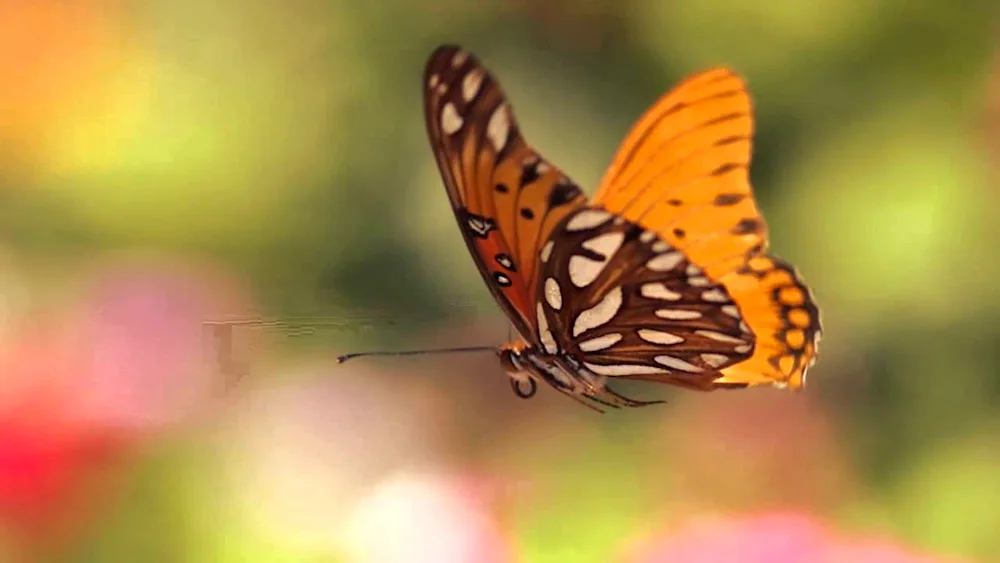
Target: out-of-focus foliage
point(164, 163)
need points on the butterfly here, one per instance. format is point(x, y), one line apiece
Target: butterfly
point(662, 276)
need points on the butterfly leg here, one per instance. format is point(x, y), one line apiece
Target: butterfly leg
point(629, 402)
point(524, 388)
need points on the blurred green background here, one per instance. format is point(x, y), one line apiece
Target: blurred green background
point(164, 163)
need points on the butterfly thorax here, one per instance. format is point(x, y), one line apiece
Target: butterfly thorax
point(526, 365)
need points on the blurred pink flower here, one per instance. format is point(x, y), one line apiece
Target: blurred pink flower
point(750, 450)
point(81, 388)
point(779, 537)
point(342, 460)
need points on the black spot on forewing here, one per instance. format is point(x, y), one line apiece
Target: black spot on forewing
point(562, 193)
point(747, 226)
point(728, 199)
point(502, 188)
point(724, 118)
point(529, 172)
point(727, 167)
point(527, 213)
point(731, 140)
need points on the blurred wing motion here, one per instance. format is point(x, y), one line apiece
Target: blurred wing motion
point(507, 199)
point(682, 173)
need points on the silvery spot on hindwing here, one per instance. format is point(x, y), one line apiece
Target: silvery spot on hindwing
point(625, 302)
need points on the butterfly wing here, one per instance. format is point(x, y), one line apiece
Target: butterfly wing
point(682, 172)
point(506, 197)
point(623, 302)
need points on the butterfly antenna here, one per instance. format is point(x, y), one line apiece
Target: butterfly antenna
point(345, 357)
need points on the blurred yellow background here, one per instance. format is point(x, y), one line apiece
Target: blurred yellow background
point(166, 163)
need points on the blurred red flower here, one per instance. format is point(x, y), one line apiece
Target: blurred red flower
point(778, 537)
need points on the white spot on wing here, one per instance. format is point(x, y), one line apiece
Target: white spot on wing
point(544, 334)
point(433, 81)
point(677, 363)
point(600, 343)
point(659, 337)
point(599, 314)
point(698, 281)
point(498, 129)
point(661, 246)
point(743, 349)
point(623, 369)
point(553, 296)
point(693, 270)
point(547, 251)
point(719, 337)
point(658, 290)
point(606, 244)
point(647, 236)
point(471, 84)
point(714, 360)
point(732, 311)
point(459, 58)
point(587, 219)
point(677, 314)
point(714, 296)
point(450, 120)
point(582, 270)
point(665, 262)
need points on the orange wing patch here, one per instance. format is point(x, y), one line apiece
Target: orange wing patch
point(682, 172)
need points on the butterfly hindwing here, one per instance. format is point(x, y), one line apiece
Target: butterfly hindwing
point(624, 302)
point(506, 197)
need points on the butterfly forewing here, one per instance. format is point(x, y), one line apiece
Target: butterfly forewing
point(507, 199)
point(683, 172)
point(624, 302)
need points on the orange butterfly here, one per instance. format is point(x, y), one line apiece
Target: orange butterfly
point(663, 276)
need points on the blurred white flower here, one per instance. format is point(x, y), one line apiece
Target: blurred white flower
point(424, 517)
